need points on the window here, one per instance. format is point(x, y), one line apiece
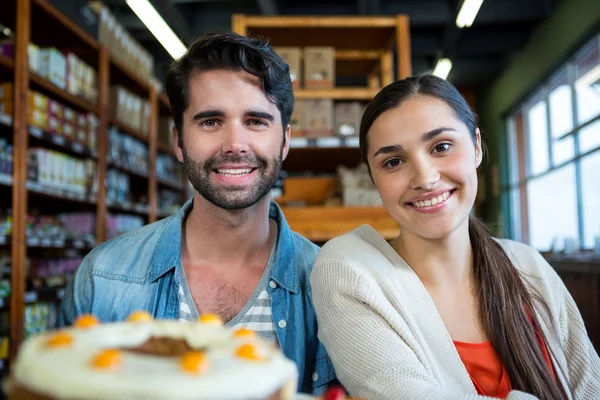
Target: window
point(553, 140)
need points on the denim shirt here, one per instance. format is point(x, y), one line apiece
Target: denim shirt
point(139, 270)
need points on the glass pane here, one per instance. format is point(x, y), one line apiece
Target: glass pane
point(563, 150)
point(590, 165)
point(515, 213)
point(587, 81)
point(589, 137)
point(561, 108)
point(552, 208)
point(513, 164)
point(538, 138)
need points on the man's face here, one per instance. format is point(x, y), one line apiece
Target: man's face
point(233, 141)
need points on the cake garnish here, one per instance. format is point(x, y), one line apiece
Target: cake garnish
point(244, 332)
point(162, 346)
point(194, 362)
point(59, 339)
point(86, 321)
point(140, 316)
point(211, 319)
point(249, 352)
point(107, 359)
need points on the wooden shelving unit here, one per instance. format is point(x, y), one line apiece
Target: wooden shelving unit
point(363, 46)
point(31, 20)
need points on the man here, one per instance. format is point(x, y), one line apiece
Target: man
point(229, 251)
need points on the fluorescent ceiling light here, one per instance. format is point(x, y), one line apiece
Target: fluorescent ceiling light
point(157, 25)
point(468, 12)
point(442, 68)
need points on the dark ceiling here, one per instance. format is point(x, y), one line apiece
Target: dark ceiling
point(479, 53)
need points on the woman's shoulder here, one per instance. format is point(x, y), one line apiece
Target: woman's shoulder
point(363, 239)
point(528, 260)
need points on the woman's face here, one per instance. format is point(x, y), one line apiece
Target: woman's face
point(424, 163)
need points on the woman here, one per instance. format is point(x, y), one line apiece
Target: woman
point(444, 311)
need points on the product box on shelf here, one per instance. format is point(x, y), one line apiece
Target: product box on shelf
point(34, 56)
point(347, 117)
point(70, 116)
point(319, 67)
point(318, 117)
point(7, 107)
point(53, 66)
point(292, 56)
point(38, 101)
point(7, 48)
point(6, 90)
point(37, 118)
point(297, 119)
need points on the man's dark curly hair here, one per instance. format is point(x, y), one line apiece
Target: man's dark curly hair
point(233, 52)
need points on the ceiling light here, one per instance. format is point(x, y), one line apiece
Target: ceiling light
point(442, 68)
point(468, 12)
point(159, 28)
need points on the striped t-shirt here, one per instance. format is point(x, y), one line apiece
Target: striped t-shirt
point(256, 313)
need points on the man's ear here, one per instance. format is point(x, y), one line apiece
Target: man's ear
point(286, 142)
point(178, 150)
point(478, 149)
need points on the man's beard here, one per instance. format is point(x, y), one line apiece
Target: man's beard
point(233, 197)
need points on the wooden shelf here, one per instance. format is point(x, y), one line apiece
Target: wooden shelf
point(52, 89)
point(128, 130)
point(307, 22)
point(320, 224)
point(57, 194)
point(165, 106)
point(62, 143)
point(7, 63)
point(326, 142)
point(336, 94)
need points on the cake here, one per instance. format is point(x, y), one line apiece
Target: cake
point(142, 358)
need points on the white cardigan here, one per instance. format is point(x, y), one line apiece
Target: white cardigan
point(387, 340)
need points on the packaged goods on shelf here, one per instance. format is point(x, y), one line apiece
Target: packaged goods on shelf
point(34, 56)
point(123, 46)
point(53, 66)
point(39, 317)
point(7, 48)
point(318, 117)
point(347, 117)
point(74, 230)
point(127, 152)
point(319, 67)
point(169, 201)
point(6, 90)
point(292, 56)
point(357, 187)
point(5, 223)
point(168, 168)
point(297, 119)
point(129, 109)
point(121, 223)
point(6, 157)
point(53, 170)
point(50, 267)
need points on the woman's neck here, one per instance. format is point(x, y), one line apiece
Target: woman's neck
point(438, 262)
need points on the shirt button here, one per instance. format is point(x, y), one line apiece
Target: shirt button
point(273, 284)
point(315, 377)
point(282, 324)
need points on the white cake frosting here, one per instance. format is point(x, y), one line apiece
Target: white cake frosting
point(66, 372)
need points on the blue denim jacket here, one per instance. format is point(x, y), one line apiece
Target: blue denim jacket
point(139, 270)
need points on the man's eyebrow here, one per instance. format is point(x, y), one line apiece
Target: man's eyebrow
point(208, 114)
point(260, 114)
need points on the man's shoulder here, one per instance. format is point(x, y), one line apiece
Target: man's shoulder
point(128, 256)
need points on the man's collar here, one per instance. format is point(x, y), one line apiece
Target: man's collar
point(167, 254)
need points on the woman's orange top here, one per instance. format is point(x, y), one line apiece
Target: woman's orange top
point(486, 370)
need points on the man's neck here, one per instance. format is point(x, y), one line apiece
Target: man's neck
point(439, 262)
point(212, 235)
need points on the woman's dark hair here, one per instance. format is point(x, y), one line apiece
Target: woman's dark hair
point(504, 301)
point(233, 52)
